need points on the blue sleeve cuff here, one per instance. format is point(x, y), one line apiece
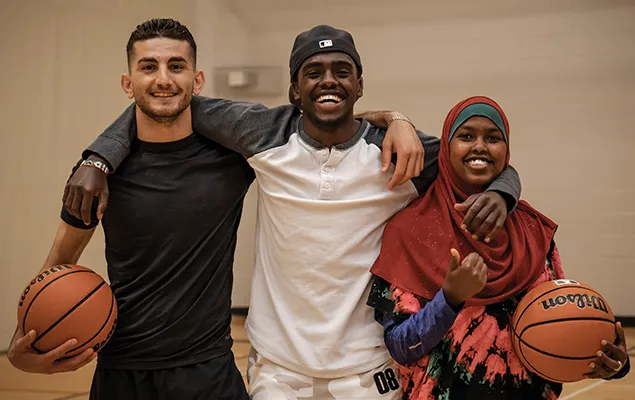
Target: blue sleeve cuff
point(456, 309)
point(410, 340)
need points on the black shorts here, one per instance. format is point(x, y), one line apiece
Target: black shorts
point(217, 379)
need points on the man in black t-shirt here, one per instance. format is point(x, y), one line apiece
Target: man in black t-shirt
point(171, 226)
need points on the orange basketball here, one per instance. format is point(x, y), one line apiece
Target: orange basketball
point(65, 302)
point(558, 327)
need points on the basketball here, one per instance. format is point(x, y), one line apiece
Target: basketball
point(558, 328)
point(65, 302)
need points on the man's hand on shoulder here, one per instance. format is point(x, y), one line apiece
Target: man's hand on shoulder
point(89, 181)
point(402, 139)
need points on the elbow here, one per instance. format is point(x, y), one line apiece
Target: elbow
point(402, 359)
point(401, 353)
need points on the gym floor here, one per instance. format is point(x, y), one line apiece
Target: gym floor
point(16, 385)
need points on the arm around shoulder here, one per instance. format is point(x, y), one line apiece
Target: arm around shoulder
point(247, 128)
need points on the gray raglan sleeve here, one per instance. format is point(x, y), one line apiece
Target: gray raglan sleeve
point(430, 171)
point(113, 144)
point(247, 128)
point(507, 184)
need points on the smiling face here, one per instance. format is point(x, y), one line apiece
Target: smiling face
point(162, 78)
point(327, 88)
point(477, 153)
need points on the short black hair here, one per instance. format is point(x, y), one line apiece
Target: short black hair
point(160, 28)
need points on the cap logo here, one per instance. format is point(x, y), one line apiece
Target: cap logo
point(325, 43)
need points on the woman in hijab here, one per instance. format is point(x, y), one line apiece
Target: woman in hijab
point(422, 282)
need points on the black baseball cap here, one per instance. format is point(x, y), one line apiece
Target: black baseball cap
point(322, 39)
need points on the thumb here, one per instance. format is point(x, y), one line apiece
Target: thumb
point(620, 334)
point(26, 340)
point(455, 260)
point(386, 153)
point(466, 204)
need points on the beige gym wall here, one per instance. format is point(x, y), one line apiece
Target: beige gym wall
point(563, 72)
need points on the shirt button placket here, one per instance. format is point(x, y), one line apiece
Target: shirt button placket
point(326, 177)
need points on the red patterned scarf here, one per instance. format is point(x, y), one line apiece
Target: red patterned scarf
point(415, 252)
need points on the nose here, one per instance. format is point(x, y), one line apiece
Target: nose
point(328, 79)
point(479, 145)
point(163, 80)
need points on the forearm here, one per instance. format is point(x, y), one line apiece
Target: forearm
point(68, 246)
point(410, 340)
point(378, 118)
point(382, 119)
point(431, 146)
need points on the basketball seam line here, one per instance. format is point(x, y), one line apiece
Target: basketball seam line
point(534, 368)
point(520, 348)
point(112, 302)
point(26, 313)
point(60, 319)
point(552, 290)
point(545, 376)
point(520, 339)
point(566, 319)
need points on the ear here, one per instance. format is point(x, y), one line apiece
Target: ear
point(126, 85)
point(294, 94)
point(199, 82)
point(360, 87)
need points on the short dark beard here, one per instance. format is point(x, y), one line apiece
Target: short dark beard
point(163, 119)
point(329, 125)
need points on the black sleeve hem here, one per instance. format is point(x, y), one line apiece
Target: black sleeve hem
point(78, 223)
point(623, 372)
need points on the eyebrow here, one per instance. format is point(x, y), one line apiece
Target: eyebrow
point(488, 130)
point(177, 59)
point(147, 59)
point(154, 60)
point(342, 62)
point(314, 64)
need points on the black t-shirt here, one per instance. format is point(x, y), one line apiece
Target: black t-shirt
point(170, 229)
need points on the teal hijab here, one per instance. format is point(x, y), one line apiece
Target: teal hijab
point(479, 110)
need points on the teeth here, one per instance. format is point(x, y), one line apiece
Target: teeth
point(326, 97)
point(163, 94)
point(477, 163)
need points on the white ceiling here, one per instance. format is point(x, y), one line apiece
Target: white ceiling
point(283, 15)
